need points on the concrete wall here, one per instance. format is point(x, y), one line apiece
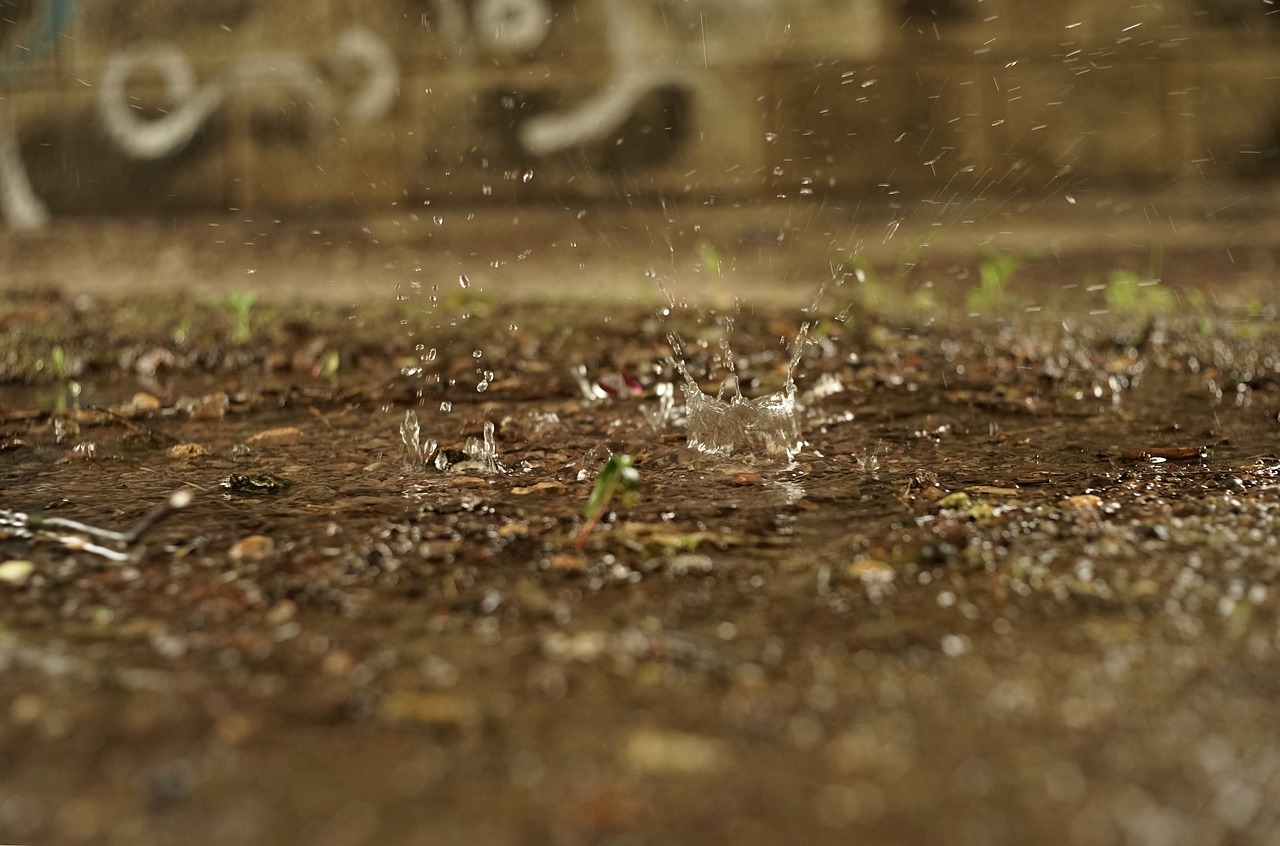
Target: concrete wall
point(324, 106)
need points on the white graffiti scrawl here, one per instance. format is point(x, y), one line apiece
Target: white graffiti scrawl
point(26, 37)
point(652, 45)
point(151, 138)
point(634, 76)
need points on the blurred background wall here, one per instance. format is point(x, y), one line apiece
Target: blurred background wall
point(327, 107)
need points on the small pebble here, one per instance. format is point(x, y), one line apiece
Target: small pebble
point(656, 751)
point(25, 709)
point(433, 709)
point(281, 613)
point(252, 548)
point(337, 664)
point(212, 407)
point(142, 401)
point(187, 452)
point(16, 571)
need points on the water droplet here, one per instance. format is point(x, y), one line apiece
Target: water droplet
point(431, 355)
point(477, 353)
point(487, 190)
point(527, 176)
point(650, 273)
point(438, 220)
point(464, 281)
point(771, 137)
point(446, 406)
point(410, 434)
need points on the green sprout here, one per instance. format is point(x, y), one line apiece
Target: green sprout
point(710, 258)
point(55, 363)
point(872, 293)
point(993, 274)
point(240, 303)
point(876, 294)
point(327, 367)
point(1140, 293)
point(1132, 293)
point(618, 475)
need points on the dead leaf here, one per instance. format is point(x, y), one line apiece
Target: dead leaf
point(540, 487)
point(572, 563)
point(658, 751)
point(278, 435)
point(433, 709)
point(991, 490)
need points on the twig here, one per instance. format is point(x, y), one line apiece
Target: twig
point(35, 527)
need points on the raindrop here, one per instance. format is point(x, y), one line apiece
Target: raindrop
point(464, 281)
point(446, 406)
point(527, 176)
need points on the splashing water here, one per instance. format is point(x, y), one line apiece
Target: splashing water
point(482, 454)
point(478, 455)
point(416, 451)
point(766, 425)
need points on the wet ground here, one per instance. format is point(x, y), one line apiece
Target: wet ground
point(1019, 584)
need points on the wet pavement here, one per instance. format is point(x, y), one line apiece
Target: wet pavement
point(1018, 583)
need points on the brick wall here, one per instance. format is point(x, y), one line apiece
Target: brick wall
point(159, 105)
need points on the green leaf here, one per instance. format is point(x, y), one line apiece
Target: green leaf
point(710, 258)
point(618, 474)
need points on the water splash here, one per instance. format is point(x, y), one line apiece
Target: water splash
point(416, 451)
point(767, 425)
point(717, 426)
point(478, 455)
point(482, 454)
point(660, 413)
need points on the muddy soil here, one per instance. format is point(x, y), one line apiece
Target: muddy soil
point(1019, 584)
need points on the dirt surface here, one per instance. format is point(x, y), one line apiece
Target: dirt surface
point(1018, 585)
